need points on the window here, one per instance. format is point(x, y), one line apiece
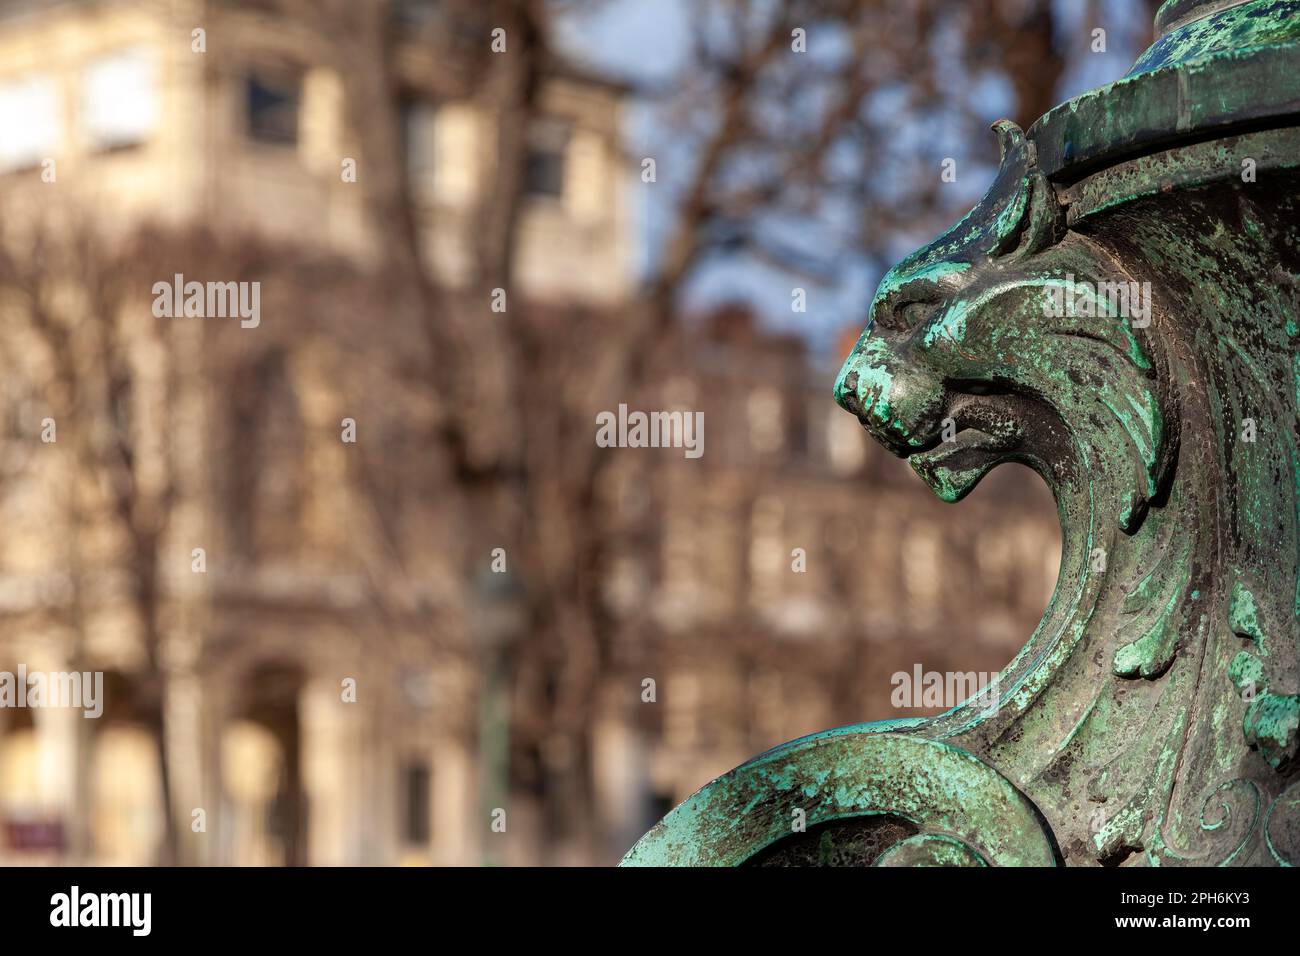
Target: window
point(415, 819)
point(416, 14)
point(419, 118)
point(29, 118)
point(768, 555)
point(845, 442)
point(119, 102)
point(273, 102)
point(764, 411)
point(544, 169)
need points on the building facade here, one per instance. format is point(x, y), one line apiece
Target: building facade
point(230, 118)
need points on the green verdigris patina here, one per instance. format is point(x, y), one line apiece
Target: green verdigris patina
point(1120, 313)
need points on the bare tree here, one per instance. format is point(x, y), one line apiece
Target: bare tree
point(107, 376)
point(769, 129)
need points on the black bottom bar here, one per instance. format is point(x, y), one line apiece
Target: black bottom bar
point(557, 906)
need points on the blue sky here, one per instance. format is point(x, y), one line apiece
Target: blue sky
point(648, 41)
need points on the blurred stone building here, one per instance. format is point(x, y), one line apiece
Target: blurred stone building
point(191, 110)
point(757, 652)
point(183, 111)
point(250, 136)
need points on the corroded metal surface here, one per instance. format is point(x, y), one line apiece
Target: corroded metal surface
point(1152, 716)
point(937, 788)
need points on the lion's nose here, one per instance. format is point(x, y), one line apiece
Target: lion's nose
point(900, 405)
point(846, 391)
point(864, 378)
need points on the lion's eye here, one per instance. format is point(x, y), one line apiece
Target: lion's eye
point(904, 317)
point(914, 313)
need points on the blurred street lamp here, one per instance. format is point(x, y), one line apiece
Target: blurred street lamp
point(498, 621)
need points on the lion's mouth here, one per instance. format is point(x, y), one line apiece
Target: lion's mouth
point(979, 436)
point(954, 467)
point(976, 428)
point(966, 443)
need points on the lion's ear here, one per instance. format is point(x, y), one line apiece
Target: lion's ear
point(1035, 218)
point(1017, 216)
point(1011, 139)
